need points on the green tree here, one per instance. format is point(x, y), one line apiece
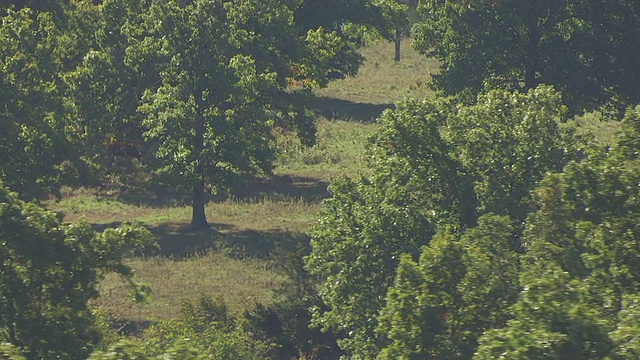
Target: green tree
point(625, 336)
point(552, 321)
point(580, 269)
point(34, 141)
point(48, 273)
point(576, 46)
point(437, 166)
point(438, 309)
point(222, 89)
point(108, 81)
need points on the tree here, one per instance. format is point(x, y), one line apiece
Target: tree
point(437, 166)
point(46, 47)
point(356, 20)
point(34, 143)
point(573, 45)
point(551, 322)
point(222, 88)
point(438, 309)
point(580, 269)
point(108, 81)
point(48, 273)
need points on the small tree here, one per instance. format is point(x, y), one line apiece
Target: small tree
point(48, 273)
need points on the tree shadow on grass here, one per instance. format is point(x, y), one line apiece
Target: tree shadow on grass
point(264, 244)
point(282, 187)
point(153, 195)
point(277, 187)
point(338, 109)
point(179, 241)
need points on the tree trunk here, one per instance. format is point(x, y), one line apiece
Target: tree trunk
point(530, 76)
point(397, 41)
point(198, 218)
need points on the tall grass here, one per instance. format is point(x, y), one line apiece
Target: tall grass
point(241, 283)
point(384, 81)
point(340, 150)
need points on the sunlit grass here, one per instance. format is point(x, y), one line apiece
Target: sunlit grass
point(340, 150)
point(257, 213)
point(242, 283)
point(382, 80)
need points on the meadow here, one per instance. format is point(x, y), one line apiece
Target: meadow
point(258, 225)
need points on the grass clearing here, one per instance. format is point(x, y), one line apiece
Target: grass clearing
point(340, 150)
point(241, 256)
point(242, 283)
point(384, 81)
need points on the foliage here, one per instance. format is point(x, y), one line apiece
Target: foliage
point(580, 275)
point(437, 166)
point(10, 352)
point(33, 142)
point(576, 46)
point(49, 271)
point(437, 309)
point(130, 350)
point(356, 245)
point(106, 84)
point(286, 322)
point(207, 327)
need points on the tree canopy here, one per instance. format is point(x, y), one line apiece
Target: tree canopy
point(49, 272)
point(549, 273)
point(437, 168)
point(585, 49)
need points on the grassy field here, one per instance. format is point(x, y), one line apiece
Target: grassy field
point(240, 258)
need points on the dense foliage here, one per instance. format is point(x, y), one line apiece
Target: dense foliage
point(49, 271)
point(586, 49)
point(516, 277)
point(485, 230)
point(437, 167)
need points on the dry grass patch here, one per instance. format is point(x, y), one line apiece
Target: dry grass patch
point(242, 283)
point(384, 81)
point(339, 151)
